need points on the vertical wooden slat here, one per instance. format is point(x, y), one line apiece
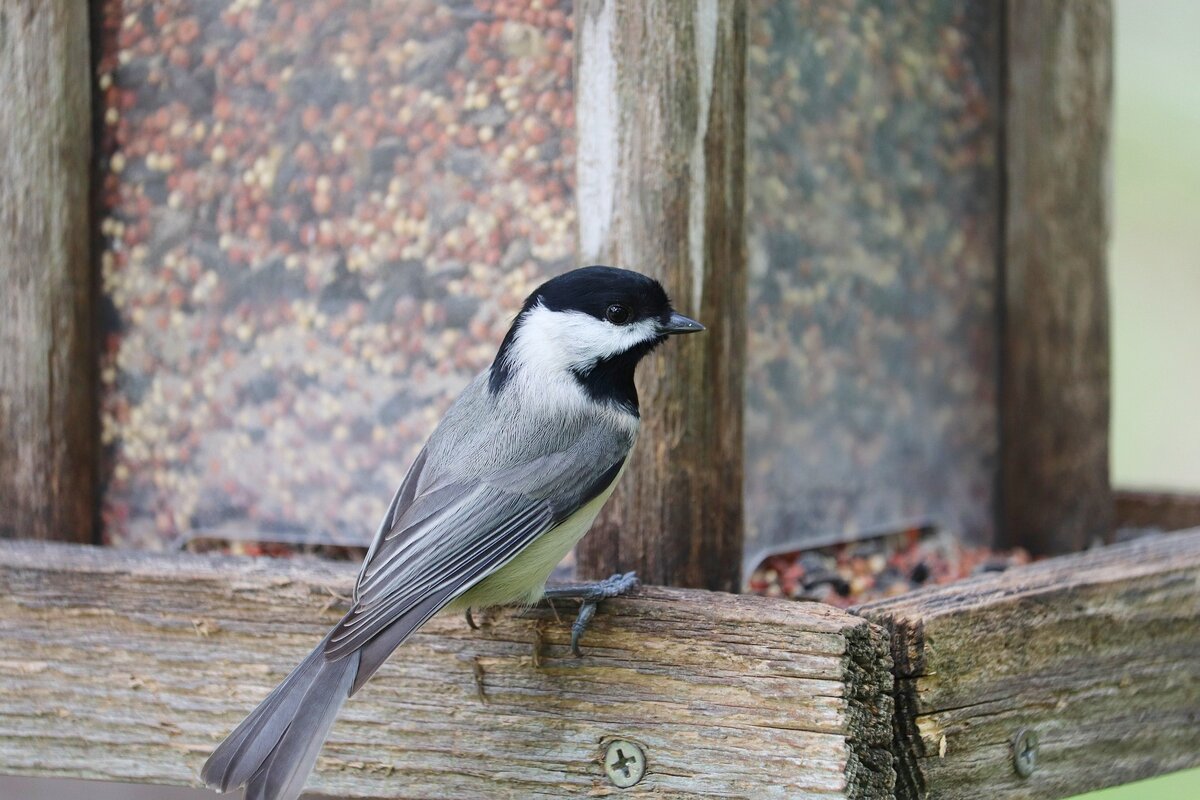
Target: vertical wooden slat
point(48, 361)
point(1055, 492)
point(660, 116)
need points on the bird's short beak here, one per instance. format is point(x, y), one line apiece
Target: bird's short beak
point(678, 323)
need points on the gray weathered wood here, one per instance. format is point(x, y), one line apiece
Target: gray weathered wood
point(132, 666)
point(1055, 494)
point(660, 113)
point(49, 434)
point(1099, 653)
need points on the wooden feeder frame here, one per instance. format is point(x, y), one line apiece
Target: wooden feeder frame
point(1044, 681)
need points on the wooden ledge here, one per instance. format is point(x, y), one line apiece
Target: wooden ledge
point(132, 666)
point(1167, 511)
point(1098, 654)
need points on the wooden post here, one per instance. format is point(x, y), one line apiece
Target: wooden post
point(48, 351)
point(132, 666)
point(1096, 656)
point(660, 115)
point(1055, 493)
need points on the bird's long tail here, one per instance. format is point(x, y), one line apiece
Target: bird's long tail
point(275, 748)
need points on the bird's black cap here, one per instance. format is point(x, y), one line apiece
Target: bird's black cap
point(595, 290)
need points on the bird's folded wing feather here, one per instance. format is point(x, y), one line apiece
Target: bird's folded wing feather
point(449, 537)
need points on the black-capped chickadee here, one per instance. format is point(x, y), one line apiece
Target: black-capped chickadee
point(509, 481)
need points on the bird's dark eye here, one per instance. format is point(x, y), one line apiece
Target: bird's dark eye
point(617, 314)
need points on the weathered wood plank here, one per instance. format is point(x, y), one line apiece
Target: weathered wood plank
point(1098, 653)
point(1055, 493)
point(660, 113)
point(49, 433)
point(132, 666)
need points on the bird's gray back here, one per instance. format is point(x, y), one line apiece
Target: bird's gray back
point(540, 449)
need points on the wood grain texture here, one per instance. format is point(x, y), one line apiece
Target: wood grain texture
point(1097, 652)
point(132, 666)
point(1055, 493)
point(48, 355)
point(660, 113)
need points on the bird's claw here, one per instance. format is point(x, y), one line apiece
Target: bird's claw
point(586, 612)
point(470, 620)
point(591, 594)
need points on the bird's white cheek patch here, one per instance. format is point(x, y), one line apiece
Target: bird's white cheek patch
point(594, 339)
point(567, 340)
point(552, 345)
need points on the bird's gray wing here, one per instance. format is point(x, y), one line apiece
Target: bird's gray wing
point(451, 536)
point(400, 501)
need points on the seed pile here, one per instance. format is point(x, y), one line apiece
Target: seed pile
point(318, 218)
point(871, 393)
point(884, 566)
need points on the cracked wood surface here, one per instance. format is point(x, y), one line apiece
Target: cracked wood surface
point(132, 666)
point(1099, 653)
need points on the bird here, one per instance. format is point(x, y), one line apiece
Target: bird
point(509, 481)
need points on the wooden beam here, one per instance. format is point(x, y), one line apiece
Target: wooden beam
point(660, 113)
point(1055, 493)
point(1168, 511)
point(48, 351)
point(132, 666)
point(1097, 654)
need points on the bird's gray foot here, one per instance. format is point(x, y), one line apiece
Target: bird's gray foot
point(470, 620)
point(590, 594)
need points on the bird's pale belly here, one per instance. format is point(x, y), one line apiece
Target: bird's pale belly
point(523, 579)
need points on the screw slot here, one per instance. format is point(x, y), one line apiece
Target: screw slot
point(1025, 752)
point(624, 763)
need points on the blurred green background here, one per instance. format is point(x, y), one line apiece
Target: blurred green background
point(1155, 253)
point(1176, 786)
point(1154, 268)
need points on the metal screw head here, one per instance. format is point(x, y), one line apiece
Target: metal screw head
point(1025, 751)
point(624, 763)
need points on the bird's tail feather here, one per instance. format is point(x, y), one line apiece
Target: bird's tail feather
point(272, 751)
